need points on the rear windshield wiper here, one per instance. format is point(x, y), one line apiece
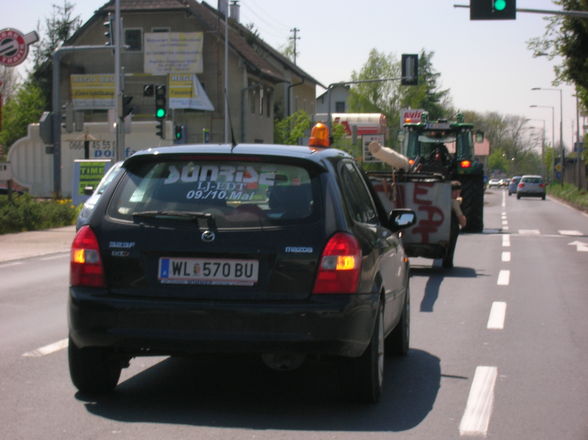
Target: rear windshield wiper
point(200, 218)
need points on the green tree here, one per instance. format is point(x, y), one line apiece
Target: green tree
point(25, 107)
point(567, 37)
point(389, 97)
point(59, 28)
point(427, 94)
point(376, 97)
point(290, 130)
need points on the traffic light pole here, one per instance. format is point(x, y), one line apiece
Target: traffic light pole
point(56, 109)
point(118, 86)
point(577, 14)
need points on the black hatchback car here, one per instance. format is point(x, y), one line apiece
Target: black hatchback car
point(281, 251)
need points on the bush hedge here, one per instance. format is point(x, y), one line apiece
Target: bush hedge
point(24, 213)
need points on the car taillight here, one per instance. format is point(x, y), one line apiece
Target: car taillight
point(521, 185)
point(340, 265)
point(541, 185)
point(85, 264)
point(465, 164)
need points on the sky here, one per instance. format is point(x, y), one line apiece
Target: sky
point(486, 65)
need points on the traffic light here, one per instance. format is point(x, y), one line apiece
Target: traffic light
point(67, 118)
point(109, 32)
point(148, 90)
point(409, 69)
point(160, 102)
point(180, 134)
point(127, 109)
point(493, 9)
point(159, 130)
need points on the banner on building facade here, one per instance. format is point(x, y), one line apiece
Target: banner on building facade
point(169, 52)
point(92, 91)
point(185, 91)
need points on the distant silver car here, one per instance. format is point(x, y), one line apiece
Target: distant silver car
point(512, 185)
point(531, 186)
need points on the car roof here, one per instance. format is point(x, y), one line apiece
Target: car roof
point(533, 176)
point(314, 154)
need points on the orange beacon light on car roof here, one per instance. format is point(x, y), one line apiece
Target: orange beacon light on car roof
point(319, 136)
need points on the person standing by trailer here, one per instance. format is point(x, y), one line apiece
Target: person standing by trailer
point(458, 221)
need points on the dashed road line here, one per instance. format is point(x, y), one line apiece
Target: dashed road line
point(573, 233)
point(506, 241)
point(47, 349)
point(506, 256)
point(476, 417)
point(503, 278)
point(497, 316)
point(529, 232)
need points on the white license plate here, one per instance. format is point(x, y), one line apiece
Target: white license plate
point(208, 271)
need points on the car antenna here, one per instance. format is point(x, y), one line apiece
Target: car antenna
point(233, 142)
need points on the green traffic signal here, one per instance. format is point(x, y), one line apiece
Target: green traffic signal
point(160, 113)
point(499, 5)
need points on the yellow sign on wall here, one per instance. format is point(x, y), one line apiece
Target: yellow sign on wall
point(169, 52)
point(92, 91)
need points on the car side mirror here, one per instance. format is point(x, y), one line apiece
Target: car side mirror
point(402, 218)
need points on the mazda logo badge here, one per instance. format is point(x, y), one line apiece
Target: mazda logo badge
point(208, 236)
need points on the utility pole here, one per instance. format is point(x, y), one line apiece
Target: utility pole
point(118, 85)
point(294, 38)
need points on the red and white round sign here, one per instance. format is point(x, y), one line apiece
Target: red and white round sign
point(13, 47)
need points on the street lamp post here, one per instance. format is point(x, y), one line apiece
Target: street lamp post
point(543, 168)
point(561, 145)
point(552, 121)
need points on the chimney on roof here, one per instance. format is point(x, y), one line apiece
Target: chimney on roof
point(234, 10)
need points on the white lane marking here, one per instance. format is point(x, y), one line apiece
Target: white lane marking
point(506, 256)
point(505, 228)
point(529, 232)
point(503, 278)
point(52, 257)
point(580, 246)
point(47, 349)
point(497, 315)
point(16, 263)
point(506, 241)
point(575, 233)
point(503, 199)
point(476, 417)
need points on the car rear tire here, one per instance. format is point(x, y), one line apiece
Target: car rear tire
point(364, 376)
point(398, 341)
point(93, 370)
point(518, 197)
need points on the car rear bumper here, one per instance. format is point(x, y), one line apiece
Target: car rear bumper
point(530, 194)
point(339, 325)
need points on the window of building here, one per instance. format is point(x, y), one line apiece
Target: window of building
point(160, 29)
point(134, 39)
point(340, 107)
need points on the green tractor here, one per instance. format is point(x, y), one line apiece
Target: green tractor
point(444, 151)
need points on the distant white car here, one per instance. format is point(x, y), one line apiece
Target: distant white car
point(494, 183)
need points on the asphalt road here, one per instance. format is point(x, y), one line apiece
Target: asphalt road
point(499, 350)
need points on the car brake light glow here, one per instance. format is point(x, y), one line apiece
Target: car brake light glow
point(86, 265)
point(465, 164)
point(340, 266)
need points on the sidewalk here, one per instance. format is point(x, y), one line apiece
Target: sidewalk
point(35, 243)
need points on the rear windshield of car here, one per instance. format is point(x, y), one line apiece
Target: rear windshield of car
point(237, 194)
point(532, 180)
